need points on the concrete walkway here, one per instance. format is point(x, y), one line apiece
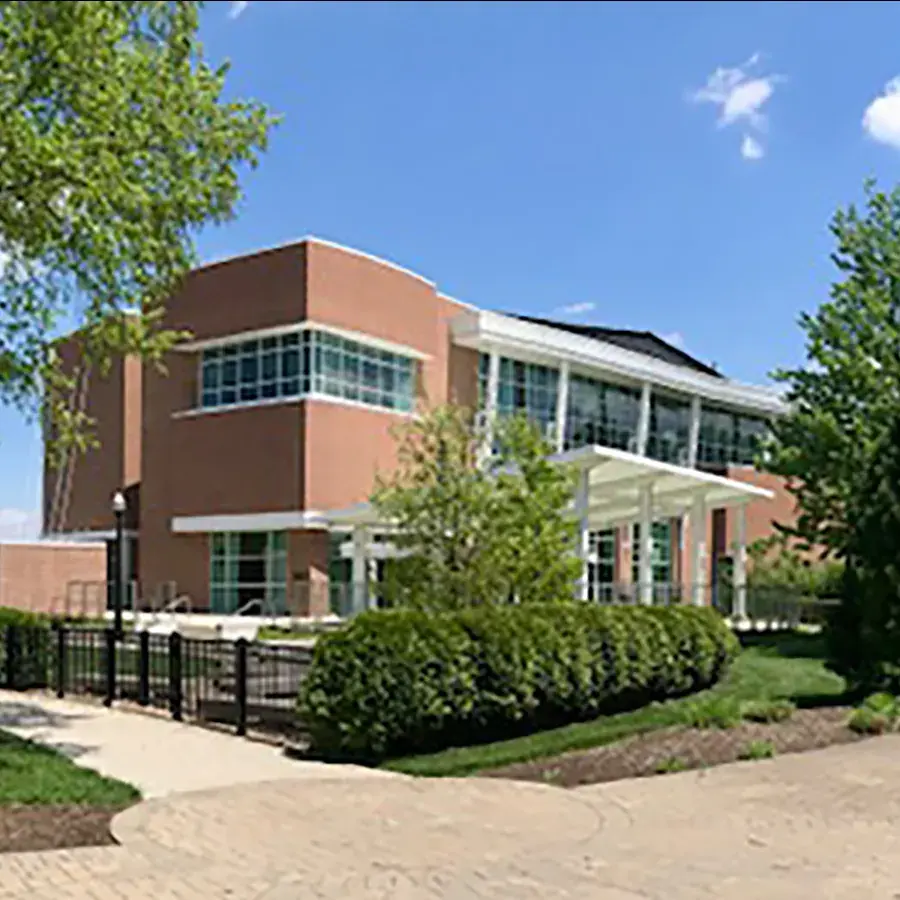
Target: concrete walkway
point(153, 753)
point(821, 824)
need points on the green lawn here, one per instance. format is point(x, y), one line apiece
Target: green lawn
point(785, 667)
point(30, 773)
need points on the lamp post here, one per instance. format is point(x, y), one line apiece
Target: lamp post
point(119, 576)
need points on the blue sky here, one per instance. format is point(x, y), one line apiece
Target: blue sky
point(663, 166)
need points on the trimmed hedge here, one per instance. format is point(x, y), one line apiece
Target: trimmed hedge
point(34, 648)
point(405, 681)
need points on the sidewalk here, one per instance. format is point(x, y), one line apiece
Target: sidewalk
point(156, 755)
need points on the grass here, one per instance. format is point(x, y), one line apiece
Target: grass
point(772, 670)
point(32, 774)
point(282, 634)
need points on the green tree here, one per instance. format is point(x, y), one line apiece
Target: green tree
point(864, 637)
point(846, 396)
point(471, 531)
point(116, 147)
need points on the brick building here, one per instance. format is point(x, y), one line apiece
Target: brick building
point(243, 464)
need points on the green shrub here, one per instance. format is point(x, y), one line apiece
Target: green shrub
point(767, 711)
point(403, 681)
point(670, 766)
point(757, 750)
point(877, 714)
point(715, 712)
point(33, 648)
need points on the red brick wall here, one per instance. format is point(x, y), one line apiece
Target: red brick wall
point(36, 576)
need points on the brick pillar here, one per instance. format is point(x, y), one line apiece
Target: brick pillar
point(308, 593)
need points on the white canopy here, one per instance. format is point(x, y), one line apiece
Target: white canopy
point(616, 481)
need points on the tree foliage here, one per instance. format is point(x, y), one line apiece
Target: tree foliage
point(475, 532)
point(844, 399)
point(116, 147)
point(864, 638)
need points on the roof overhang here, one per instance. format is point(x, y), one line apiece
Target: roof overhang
point(615, 481)
point(487, 331)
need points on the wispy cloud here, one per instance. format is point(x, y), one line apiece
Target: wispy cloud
point(237, 8)
point(675, 338)
point(575, 309)
point(751, 148)
point(741, 96)
point(881, 120)
point(19, 524)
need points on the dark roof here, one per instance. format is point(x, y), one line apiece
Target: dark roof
point(639, 341)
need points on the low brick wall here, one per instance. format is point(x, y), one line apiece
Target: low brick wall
point(35, 576)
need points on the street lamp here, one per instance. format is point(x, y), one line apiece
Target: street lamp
point(119, 506)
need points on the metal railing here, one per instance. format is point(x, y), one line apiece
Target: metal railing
point(250, 686)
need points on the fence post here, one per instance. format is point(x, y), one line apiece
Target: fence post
point(110, 667)
point(175, 697)
point(60, 660)
point(240, 684)
point(12, 656)
point(144, 668)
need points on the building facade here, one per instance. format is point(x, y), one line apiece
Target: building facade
point(277, 415)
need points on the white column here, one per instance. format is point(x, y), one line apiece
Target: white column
point(694, 433)
point(583, 545)
point(740, 563)
point(359, 570)
point(562, 405)
point(643, 430)
point(490, 403)
point(645, 553)
point(699, 526)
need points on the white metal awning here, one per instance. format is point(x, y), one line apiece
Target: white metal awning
point(616, 480)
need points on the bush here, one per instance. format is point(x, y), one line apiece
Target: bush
point(404, 681)
point(33, 648)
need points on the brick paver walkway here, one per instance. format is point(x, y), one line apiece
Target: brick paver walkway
point(821, 824)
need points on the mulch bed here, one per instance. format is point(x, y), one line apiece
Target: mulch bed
point(25, 828)
point(687, 748)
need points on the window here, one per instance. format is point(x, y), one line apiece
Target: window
point(670, 430)
point(602, 565)
point(302, 363)
point(661, 558)
point(354, 371)
point(728, 438)
point(248, 566)
point(523, 388)
point(600, 413)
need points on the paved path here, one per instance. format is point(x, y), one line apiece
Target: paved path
point(822, 824)
point(155, 754)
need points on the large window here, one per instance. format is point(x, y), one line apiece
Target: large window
point(245, 567)
point(523, 387)
point(308, 362)
point(661, 557)
point(602, 565)
point(670, 430)
point(600, 413)
point(728, 438)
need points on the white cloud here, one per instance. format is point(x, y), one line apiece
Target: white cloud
point(740, 99)
point(19, 524)
point(675, 338)
point(881, 120)
point(751, 148)
point(576, 308)
point(237, 8)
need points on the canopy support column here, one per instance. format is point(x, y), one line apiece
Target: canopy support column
point(582, 548)
point(645, 551)
point(359, 570)
point(562, 404)
point(698, 550)
point(740, 563)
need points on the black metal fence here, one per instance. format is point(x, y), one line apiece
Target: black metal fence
point(250, 686)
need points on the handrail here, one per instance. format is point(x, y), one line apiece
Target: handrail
point(260, 602)
point(173, 605)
